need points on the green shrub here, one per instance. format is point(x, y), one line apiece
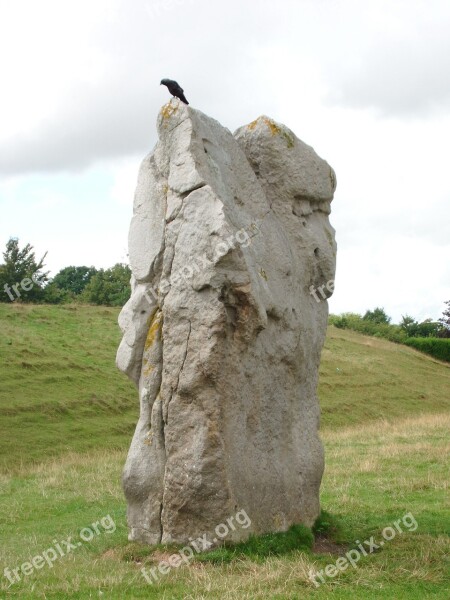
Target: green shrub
point(355, 322)
point(437, 347)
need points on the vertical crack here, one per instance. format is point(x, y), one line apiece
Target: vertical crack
point(184, 357)
point(160, 522)
point(164, 422)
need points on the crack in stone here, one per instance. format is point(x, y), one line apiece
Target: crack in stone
point(161, 532)
point(184, 195)
point(257, 223)
point(184, 358)
point(164, 422)
point(174, 246)
point(174, 389)
point(170, 129)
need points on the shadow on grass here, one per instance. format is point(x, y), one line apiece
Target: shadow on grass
point(296, 538)
point(318, 539)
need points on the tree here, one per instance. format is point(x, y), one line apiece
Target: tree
point(444, 322)
point(21, 277)
point(409, 325)
point(427, 328)
point(377, 315)
point(109, 287)
point(412, 328)
point(74, 279)
point(55, 295)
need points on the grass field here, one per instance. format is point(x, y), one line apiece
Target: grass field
point(67, 418)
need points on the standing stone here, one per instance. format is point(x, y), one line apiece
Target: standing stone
point(222, 334)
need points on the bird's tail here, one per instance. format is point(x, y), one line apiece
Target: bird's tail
point(183, 98)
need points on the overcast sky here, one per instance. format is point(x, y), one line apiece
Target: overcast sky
point(367, 84)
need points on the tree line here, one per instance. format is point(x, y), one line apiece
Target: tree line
point(23, 279)
point(376, 322)
point(431, 337)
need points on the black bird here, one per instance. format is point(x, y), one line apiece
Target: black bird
point(174, 89)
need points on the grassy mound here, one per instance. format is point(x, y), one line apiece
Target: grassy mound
point(61, 392)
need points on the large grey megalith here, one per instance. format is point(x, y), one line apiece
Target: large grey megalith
point(221, 334)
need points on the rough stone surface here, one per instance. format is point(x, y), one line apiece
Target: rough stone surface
point(222, 334)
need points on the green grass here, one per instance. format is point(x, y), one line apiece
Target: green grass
point(385, 433)
point(259, 547)
point(364, 378)
point(374, 476)
point(59, 385)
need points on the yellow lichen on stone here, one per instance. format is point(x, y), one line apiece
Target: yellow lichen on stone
point(289, 139)
point(168, 110)
point(278, 521)
point(329, 237)
point(274, 129)
point(147, 368)
point(333, 178)
point(154, 329)
point(263, 274)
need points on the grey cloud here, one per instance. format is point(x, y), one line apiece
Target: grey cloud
point(91, 128)
point(116, 116)
point(400, 77)
point(214, 50)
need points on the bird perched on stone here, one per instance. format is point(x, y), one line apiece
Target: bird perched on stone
point(174, 89)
